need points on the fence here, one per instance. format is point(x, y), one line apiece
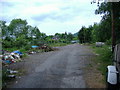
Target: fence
point(117, 58)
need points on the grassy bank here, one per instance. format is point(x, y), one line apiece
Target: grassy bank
point(58, 44)
point(103, 57)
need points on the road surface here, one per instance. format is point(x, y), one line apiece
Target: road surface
point(57, 69)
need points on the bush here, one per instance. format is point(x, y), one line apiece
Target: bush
point(27, 47)
point(109, 42)
point(21, 41)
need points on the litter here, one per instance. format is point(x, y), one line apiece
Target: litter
point(8, 61)
point(18, 52)
point(34, 46)
point(9, 58)
point(15, 55)
point(32, 52)
point(12, 72)
point(11, 76)
point(19, 77)
point(16, 82)
point(46, 48)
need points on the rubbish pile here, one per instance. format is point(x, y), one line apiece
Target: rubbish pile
point(34, 49)
point(10, 57)
point(40, 47)
point(8, 75)
point(45, 48)
point(7, 59)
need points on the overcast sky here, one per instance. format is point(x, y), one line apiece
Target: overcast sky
point(51, 16)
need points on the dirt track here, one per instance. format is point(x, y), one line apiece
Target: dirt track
point(57, 69)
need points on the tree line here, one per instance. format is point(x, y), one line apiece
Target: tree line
point(19, 34)
point(101, 32)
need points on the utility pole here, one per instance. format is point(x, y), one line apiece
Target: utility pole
point(113, 20)
point(113, 25)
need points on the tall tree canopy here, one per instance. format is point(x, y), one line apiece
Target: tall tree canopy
point(102, 31)
point(19, 34)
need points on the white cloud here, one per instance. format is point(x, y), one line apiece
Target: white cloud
point(51, 16)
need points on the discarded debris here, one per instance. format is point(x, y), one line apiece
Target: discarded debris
point(17, 52)
point(34, 46)
point(9, 58)
point(31, 52)
point(97, 54)
point(99, 44)
point(12, 72)
point(45, 48)
point(11, 76)
point(41, 47)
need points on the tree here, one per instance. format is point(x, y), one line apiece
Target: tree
point(21, 41)
point(19, 34)
point(17, 26)
point(81, 35)
point(106, 10)
point(7, 40)
point(4, 29)
point(69, 37)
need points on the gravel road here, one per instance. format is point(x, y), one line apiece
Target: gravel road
point(57, 69)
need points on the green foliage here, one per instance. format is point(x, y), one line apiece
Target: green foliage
point(109, 42)
point(4, 28)
point(27, 47)
point(104, 8)
point(58, 44)
point(17, 26)
point(75, 38)
point(81, 35)
point(4, 75)
point(21, 41)
point(95, 32)
point(105, 25)
point(59, 38)
point(69, 37)
point(18, 34)
point(8, 42)
point(103, 58)
point(102, 32)
point(84, 34)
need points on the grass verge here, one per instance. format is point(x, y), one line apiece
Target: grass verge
point(58, 44)
point(103, 57)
